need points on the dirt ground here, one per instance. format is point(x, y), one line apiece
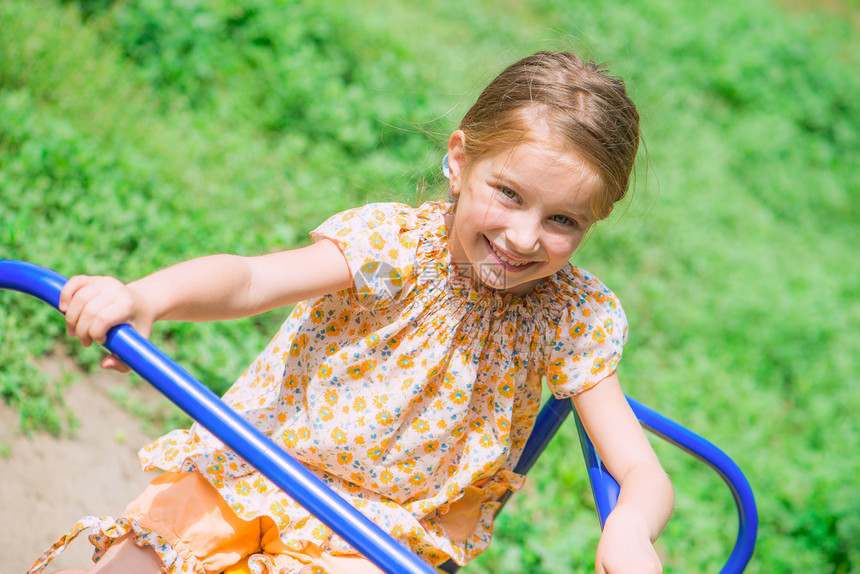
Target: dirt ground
point(47, 484)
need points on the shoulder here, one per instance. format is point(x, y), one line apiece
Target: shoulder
point(374, 214)
point(380, 242)
point(584, 290)
point(587, 305)
point(590, 334)
point(388, 217)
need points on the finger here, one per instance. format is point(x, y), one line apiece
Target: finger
point(71, 303)
point(86, 309)
point(108, 317)
point(69, 289)
point(113, 362)
point(82, 291)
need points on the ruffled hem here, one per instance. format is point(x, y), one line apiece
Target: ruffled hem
point(260, 564)
point(106, 531)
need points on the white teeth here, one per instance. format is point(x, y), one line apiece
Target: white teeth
point(506, 260)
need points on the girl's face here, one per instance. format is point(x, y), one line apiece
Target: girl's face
point(521, 213)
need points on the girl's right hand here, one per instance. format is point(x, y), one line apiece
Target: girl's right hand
point(93, 305)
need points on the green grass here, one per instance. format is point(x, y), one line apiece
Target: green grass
point(137, 134)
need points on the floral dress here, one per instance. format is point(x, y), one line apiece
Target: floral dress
point(412, 393)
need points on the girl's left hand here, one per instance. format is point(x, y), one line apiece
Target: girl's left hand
point(625, 547)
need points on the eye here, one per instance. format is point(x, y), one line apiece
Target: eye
point(564, 220)
point(507, 193)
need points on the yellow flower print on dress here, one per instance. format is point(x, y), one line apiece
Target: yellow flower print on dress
point(374, 453)
point(260, 484)
point(319, 532)
point(578, 329)
point(298, 345)
point(354, 372)
point(372, 340)
point(339, 437)
point(458, 397)
point(243, 487)
point(345, 458)
point(379, 401)
point(290, 438)
point(324, 372)
point(557, 373)
point(326, 414)
point(376, 241)
point(420, 426)
point(599, 366)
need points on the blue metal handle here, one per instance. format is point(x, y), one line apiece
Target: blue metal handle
point(724, 466)
point(606, 490)
point(247, 441)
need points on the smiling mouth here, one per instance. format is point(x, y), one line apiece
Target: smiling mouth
point(506, 260)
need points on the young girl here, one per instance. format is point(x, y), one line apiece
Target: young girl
point(409, 375)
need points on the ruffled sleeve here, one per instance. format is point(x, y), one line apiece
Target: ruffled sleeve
point(378, 241)
point(589, 335)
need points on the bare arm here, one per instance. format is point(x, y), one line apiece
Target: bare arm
point(229, 286)
point(646, 499)
point(205, 289)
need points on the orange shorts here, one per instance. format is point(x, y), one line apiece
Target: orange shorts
point(187, 511)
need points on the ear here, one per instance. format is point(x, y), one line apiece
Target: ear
point(456, 158)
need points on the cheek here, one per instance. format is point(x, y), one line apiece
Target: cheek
point(481, 214)
point(563, 247)
point(490, 213)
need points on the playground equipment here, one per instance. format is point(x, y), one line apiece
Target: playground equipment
point(206, 407)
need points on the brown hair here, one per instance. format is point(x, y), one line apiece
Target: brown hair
point(578, 102)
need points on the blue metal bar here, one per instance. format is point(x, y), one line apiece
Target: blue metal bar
point(724, 466)
point(238, 434)
point(549, 420)
point(606, 490)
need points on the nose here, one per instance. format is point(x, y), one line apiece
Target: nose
point(523, 233)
